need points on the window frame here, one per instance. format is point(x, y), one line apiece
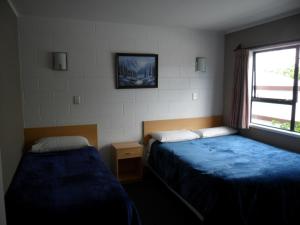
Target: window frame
point(291, 102)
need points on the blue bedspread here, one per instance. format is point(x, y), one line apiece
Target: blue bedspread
point(232, 178)
point(70, 187)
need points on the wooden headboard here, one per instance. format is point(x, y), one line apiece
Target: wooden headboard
point(88, 131)
point(177, 124)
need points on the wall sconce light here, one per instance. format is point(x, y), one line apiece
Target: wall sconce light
point(60, 61)
point(201, 64)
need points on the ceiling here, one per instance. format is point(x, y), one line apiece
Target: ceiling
point(219, 15)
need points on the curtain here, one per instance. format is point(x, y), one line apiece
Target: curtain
point(240, 104)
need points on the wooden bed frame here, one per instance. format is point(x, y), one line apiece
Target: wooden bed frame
point(33, 134)
point(177, 124)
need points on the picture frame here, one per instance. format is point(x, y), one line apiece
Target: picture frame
point(134, 70)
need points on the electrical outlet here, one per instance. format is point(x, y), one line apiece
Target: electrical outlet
point(195, 96)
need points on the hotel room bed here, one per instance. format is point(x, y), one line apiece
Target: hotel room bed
point(232, 179)
point(67, 187)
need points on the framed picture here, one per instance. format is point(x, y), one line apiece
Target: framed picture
point(136, 70)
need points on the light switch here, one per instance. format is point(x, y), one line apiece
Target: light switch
point(195, 96)
point(76, 100)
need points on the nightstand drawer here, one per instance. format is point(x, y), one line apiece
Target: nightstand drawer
point(129, 153)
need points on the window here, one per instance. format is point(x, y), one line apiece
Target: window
point(275, 88)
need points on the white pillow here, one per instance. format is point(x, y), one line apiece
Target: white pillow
point(61, 143)
point(174, 135)
point(215, 131)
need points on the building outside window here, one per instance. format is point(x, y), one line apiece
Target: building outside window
point(275, 88)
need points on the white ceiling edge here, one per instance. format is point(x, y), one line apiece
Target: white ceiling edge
point(14, 9)
point(262, 22)
point(63, 19)
point(240, 28)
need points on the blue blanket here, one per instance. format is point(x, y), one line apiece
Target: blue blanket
point(232, 178)
point(69, 187)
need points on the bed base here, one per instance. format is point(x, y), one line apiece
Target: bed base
point(195, 211)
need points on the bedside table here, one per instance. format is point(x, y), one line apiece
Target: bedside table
point(128, 162)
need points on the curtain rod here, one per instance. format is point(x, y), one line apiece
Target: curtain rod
point(239, 46)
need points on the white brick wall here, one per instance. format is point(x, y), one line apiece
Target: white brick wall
point(119, 113)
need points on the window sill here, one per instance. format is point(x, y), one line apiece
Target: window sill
point(274, 130)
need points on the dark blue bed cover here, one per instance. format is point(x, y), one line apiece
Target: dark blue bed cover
point(232, 179)
point(69, 187)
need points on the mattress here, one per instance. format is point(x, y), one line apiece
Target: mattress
point(232, 178)
point(68, 187)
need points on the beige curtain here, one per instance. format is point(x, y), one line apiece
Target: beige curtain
point(240, 104)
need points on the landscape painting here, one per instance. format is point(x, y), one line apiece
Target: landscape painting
point(136, 70)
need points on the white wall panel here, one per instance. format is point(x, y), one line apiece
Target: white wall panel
point(48, 94)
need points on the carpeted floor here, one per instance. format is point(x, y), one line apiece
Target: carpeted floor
point(157, 205)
